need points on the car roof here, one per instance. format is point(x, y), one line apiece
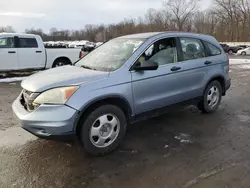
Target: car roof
point(16, 34)
point(170, 34)
point(141, 35)
point(155, 35)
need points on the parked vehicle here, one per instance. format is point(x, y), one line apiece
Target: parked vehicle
point(123, 81)
point(245, 51)
point(98, 44)
point(88, 47)
point(25, 51)
point(225, 47)
point(233, 49)
point(243, 46)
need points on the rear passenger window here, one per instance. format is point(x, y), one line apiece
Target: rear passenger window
point(192, 48)
point(213, 50)
point(27, 43)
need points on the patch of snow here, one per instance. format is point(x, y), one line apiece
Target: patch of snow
point(185, 141)
point(239, 61)
point(184, 138)
point(14, 79)
point(244, 118)
point(244, 66)
point(3, 74)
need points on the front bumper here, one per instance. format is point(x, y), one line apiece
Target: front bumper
point(47, 121)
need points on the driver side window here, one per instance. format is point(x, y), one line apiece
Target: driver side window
point(7, 42)
point(161, 52)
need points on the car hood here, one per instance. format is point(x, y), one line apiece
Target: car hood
point(61, 76)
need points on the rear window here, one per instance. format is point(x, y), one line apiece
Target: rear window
point(213, 50)
point(27, 43)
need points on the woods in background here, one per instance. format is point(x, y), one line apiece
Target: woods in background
point(227, 20)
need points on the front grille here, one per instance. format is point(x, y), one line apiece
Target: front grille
point(27, 99)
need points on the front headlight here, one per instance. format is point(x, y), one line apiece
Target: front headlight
point(56, 95)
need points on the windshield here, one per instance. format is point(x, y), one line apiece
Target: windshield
point(111, 55)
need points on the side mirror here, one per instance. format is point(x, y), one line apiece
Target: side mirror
point(147, 65)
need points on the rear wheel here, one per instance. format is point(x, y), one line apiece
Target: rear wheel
point(103, 129)
point(243, 53)
point(230, 52)
point(61, 62)
point(212, 98)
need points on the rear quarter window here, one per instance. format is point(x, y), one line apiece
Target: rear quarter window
point(212, 49)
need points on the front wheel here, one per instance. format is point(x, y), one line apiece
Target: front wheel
point(103, 129)
point(211, 98)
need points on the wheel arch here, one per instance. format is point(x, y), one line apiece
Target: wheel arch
point(115, 100)
point(221, 80)
point(61, 58)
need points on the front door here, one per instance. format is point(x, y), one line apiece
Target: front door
point(8, 54)
point(154, 88)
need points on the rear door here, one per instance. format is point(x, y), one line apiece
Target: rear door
point(8, 54)
point(193, 68)
point(218, 64)
point(31, 53)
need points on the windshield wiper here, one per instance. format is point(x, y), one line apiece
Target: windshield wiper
point(87, 67)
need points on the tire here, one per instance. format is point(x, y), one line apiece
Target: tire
point(214, 90)
point(230, 52)
point(100, 133)
point(61, 62)
point(243, 53)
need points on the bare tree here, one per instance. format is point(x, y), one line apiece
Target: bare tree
point(7, 29)
point(227, 20)
point(182, 11)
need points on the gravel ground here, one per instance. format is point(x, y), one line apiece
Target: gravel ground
point(183, 148)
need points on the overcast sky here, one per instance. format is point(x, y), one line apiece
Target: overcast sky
point(72, 14)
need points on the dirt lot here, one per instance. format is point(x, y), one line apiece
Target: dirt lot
point(183, 148)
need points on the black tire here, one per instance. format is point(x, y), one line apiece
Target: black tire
point(203, 105)
point(61, 62)
point(230, 52)
point(86, 126)
point(243, 53)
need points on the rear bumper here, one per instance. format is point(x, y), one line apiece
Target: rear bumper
point(47, 121)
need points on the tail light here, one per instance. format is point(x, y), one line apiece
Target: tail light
point(80, 55)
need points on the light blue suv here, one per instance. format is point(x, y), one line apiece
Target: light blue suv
point(123, 80)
